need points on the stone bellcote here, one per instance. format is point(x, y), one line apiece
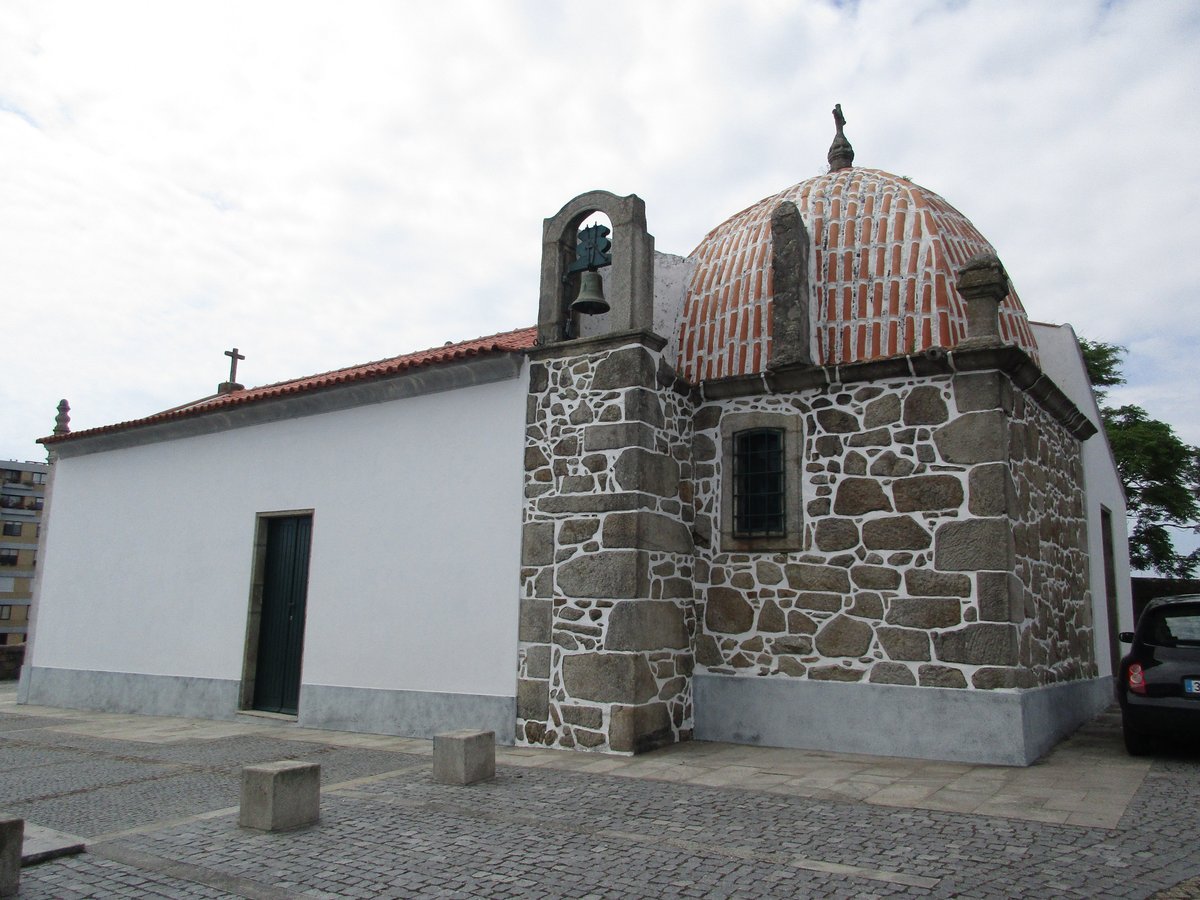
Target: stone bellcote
point(629, 282)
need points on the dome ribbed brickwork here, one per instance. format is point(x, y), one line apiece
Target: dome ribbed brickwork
point(885, 254)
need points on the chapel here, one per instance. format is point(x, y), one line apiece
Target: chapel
point(820, 483)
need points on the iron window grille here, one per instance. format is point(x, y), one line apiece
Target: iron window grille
point(759, 483)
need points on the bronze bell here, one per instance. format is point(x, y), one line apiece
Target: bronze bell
point(591, 300)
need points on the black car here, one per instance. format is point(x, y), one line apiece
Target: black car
point(1159, 681)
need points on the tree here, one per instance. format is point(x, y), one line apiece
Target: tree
point(1103, 363)
point(1160, 472)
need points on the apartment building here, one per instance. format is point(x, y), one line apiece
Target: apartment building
point(22, 489)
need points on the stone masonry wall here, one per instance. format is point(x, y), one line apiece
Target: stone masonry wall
point(922, 563)
point(607, 612)
point(1050, 542)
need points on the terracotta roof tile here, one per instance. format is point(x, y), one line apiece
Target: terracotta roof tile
point(506, 342)
point(886, 254)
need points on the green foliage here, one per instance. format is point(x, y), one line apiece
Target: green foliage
point(1103, 363)
point(1160, 472)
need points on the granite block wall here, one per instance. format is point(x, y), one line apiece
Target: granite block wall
point(1049, 525)
point(608, 610)
point(940, 542)
point(943, 544)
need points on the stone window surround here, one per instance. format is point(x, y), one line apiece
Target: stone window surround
point(758, 452)
point(793, 439)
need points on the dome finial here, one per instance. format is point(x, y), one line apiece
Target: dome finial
point(841, 154)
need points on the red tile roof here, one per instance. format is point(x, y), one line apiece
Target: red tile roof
point(507, 342)
point(885, 256)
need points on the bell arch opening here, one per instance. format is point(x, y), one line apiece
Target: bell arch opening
point(628, 285)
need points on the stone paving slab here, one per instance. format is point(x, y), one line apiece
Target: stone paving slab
point(1091, 762)
point(90, 876)
point(14, 722)
point(43, 844)
point(554, 833)
point(704, 820)
point(1090, 772)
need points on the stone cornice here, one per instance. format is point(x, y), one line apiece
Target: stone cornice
point(597, 344)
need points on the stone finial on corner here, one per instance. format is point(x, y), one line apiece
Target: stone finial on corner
point(62, 422)
point(841, 154)
point(983, 283)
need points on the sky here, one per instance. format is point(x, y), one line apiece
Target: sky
point(324, 184)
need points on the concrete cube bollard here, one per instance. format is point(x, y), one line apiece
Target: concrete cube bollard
point(12, 838)
point(277, 796)
point(464, 757)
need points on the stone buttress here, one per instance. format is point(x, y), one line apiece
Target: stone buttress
point(607, 610)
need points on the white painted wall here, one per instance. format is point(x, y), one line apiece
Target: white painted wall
point(672, 277)
point(1063, 362)
point(413, 579)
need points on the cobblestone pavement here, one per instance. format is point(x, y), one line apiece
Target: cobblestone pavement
point(160, 823)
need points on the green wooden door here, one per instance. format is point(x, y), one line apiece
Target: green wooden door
point(281, 628)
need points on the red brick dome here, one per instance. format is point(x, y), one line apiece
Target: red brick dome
point(884, 257)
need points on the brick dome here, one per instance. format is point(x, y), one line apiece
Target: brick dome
point(885, 253)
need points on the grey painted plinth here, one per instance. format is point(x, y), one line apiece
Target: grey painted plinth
point(279, 796)
point(131, 692)
point(1053, 713)
point(12, 836)
point(1010, 728)
point(420, 714)
point(464, 757)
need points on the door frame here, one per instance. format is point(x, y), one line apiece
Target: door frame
point(1111, 595)
point(258, 568)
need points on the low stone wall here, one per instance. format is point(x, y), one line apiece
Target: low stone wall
point(11, 658)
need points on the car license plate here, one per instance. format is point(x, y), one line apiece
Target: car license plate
point(1191, 685)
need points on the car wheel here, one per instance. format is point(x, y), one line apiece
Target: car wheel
point(1135, 744)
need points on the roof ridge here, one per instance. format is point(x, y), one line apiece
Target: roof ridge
point(449, 346)
point(518, 339)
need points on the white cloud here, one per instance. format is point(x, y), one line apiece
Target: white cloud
point(324, 187)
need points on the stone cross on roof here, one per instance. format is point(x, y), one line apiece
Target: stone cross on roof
point(234, 356)
point(228, 387)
